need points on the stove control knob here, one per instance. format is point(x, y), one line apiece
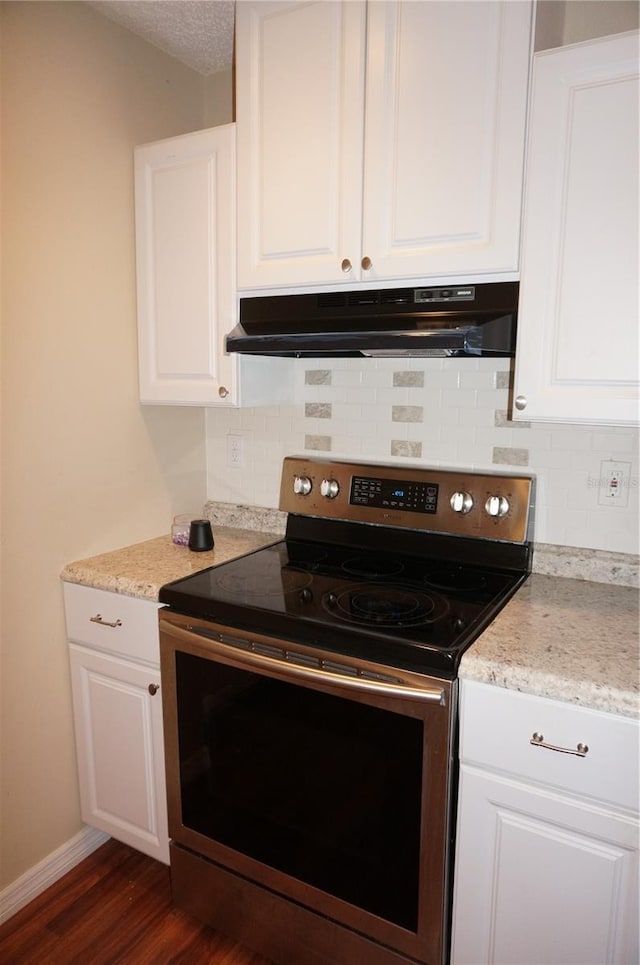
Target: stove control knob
point(330, 488)
point(302, 485)
point(497, 506)
point(461, 503)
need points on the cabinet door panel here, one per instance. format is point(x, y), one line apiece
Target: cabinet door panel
point(300, 84)
point(541, 878)
point(185, 243)
point(578, 335)
point(120, 750)
point(445, 114)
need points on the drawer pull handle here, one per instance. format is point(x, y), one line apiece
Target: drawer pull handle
point(104, 623)
point(538, 741)
point(153, 689)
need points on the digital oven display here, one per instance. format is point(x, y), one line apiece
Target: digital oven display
point(412, 497)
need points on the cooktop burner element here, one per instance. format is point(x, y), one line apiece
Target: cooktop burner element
point(454, 578)
point(389, 606)
point(252, 585)
point(398, 566)
point(373, 568)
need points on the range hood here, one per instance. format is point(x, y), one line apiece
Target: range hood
point(458, 321)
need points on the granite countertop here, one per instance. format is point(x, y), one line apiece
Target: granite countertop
point(140, 570)
point(570, 640)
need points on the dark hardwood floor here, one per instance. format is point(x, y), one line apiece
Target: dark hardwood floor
point(114, 908)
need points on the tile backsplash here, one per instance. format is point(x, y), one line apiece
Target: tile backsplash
point(430, 412)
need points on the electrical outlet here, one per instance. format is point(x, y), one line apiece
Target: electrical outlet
point(235, 450)
point(614, 483)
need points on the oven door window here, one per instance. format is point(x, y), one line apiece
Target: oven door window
point(322, 788)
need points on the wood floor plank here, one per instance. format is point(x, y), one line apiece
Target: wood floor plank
point(114, 908)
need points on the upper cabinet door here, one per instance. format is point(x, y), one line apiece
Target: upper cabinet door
point(185, 246)
point(446, 104)
point(418, 175)
point(300, 88)
point(577, 352)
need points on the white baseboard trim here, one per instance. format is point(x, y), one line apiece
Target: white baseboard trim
point(37, 879)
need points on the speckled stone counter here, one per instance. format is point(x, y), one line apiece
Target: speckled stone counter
point(570, 640)
point(140, 570)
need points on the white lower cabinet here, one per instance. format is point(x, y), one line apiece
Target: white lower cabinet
point(546, 868)
point(117, 709)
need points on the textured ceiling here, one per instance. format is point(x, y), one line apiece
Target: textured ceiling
point(197, 32)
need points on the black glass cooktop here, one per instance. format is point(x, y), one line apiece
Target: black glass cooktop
point(407, 611)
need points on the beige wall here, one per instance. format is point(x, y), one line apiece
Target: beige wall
point(84, 467)
point(219, 105)
point(561, 22)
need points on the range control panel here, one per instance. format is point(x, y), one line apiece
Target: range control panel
point(401, 494)
point(451, 501)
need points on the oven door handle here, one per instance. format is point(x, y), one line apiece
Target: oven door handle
point(225, 646)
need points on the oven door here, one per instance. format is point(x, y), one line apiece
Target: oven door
point(324, 781)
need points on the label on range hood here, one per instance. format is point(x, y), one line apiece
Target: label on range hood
point(465, 293)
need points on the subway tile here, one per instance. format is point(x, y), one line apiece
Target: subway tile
point(318, 377)
point(350, 412)
point(365, 428)
point(348, 377)
point(616, 442)
point(318, 443)
point(407, 413)
point(405, 449)
point(460, 398)
point(503, 421)
point(393, 396)
point(318, 410)
point(361, 394)
point(376, 379)
point(510, 457)
point(408, 379)
point(503, 380)
point(477, 380)
point(476, 417)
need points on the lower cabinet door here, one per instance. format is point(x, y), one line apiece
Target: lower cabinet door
point(119, 741)
point(542, 879)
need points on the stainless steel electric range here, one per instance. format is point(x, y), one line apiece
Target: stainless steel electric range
point(310, 709)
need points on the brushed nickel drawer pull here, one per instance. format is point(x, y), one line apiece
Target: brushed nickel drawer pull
point(538, 741)
point(104, 623)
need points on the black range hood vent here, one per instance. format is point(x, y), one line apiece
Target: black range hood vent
point(454, 321)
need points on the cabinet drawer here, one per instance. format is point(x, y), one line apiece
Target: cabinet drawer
point(497, 725)
point(111, 622)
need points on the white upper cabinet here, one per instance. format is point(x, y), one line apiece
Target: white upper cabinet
point(185, 252)
point(379, 141)
point(185, 192)
point(577, 351)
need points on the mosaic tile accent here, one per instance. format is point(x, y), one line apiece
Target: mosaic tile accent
point(411, 379)
point(502, 421)
point(503, 380)
point(407, 413)
point(407, 450)
point(318, 443)
point(510, 457)
point(317, 377)
point(317, 410)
